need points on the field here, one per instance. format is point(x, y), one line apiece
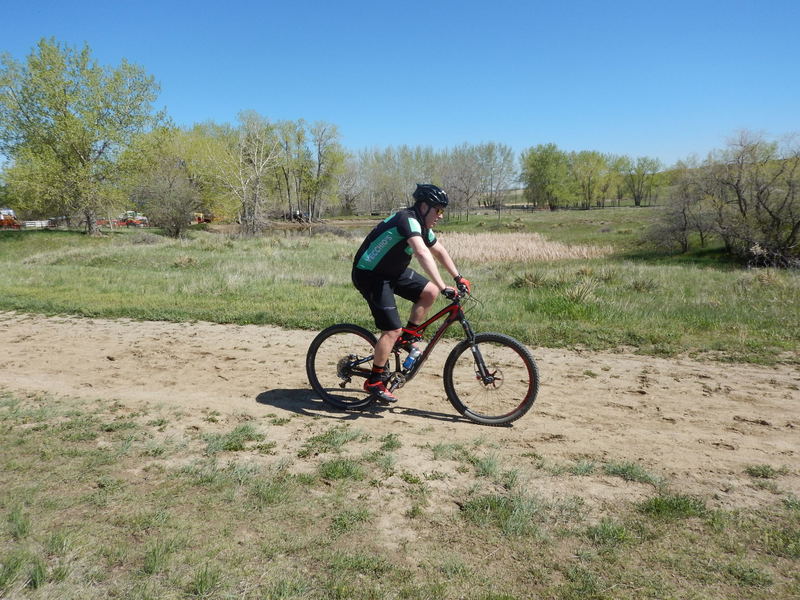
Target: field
point(159, 439)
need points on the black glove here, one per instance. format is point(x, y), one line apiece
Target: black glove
point(449, 293)
point(463, 284)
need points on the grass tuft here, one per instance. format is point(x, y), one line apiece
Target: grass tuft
point(341, 468)
point(234, 441)
point(631, 472)
point(673, 506)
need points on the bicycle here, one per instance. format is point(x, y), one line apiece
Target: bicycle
point(489, 378)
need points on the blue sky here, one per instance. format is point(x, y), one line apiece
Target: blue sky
point(661, 79)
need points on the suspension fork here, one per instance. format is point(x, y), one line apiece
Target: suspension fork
point(483, 373)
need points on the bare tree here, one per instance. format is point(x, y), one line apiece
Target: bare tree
point(461, 177)
point(757, 185)
point(497, 171)
point(747, 195)
point(243, 165)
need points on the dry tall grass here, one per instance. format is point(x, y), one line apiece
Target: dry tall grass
point(505, 247)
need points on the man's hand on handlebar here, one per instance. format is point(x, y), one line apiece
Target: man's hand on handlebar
point(450, 293)
point(463, 285)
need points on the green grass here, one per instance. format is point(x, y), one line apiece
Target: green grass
point(657, 305)
point(85, 520)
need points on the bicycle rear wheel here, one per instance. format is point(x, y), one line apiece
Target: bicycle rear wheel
point(337, 363)
point(509, 393)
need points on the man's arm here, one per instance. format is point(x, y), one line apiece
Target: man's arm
point(426, 260)
point(443, 256)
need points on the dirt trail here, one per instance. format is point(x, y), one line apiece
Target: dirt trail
point(698, 423)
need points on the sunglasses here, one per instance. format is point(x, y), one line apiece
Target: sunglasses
point(440, 211)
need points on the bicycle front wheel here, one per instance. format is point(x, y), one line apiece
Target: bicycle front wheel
point(338, 362)
point(508, 391)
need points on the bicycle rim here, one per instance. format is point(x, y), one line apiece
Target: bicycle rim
point(337, 363)
point(512, 392)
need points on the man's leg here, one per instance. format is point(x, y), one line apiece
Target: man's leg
point(384, 346)
point(421, 307)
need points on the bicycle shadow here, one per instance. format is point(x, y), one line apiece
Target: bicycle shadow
point(305, 402)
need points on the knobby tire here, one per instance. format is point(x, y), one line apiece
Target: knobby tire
point(328, 365)
point(506, 399)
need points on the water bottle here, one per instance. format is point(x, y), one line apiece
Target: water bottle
point(412, 357)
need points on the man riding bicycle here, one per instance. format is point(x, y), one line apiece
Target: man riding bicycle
point(380, 270)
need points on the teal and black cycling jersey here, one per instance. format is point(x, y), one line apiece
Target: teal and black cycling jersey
point(385, 251)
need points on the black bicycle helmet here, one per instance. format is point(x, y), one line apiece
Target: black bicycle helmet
point(431, 194)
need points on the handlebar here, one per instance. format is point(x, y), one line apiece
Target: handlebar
point(454, 294)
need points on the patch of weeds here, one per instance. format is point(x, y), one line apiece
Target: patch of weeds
point(673, 506)
point(390, 442)
point(213, 416)
point(366, 564)
point(341, 468)
point(234, 441)
point(783, 541)
point(144, 521)
point(453, 566)
point(765, 471)
point(266, 448)
point(608, 533)
point(384, 460)
point(37, 574)
point(644, 284)
point(508, 479)
point(581, 292)
point(154, 450)
point(329, 441)
point(553, 469)
point(10, 566)
point(410, 478)
point(205, 472)
point(630, 471)
point(581, 584)
point(279, 420)
point(276, 489)
point(444, 451)
point(582, 467)
point(118, 426)
point(749, 575)
point(486, 466)
point(288, 588)
point(58, 543)
point(159, 424)
point(792, 503)
point(347, 520)
point(532, 280)
point(205, 581)
point(78, 429)
point(513, 515)
point(157, 553)
point(19, 523)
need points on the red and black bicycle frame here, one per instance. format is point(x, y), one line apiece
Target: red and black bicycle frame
point(453, 312)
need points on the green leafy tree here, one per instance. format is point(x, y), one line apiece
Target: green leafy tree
point(161, 181)
point(64, 120)
point(588, 170)
point(545, 173)
point(641, 177)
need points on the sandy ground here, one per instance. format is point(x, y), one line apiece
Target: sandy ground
point(699, 424)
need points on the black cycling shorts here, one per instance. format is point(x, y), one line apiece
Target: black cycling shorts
point(379, 294)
